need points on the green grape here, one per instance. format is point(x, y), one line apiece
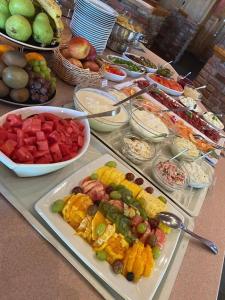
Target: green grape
point(57, 206)
point(163, 199)
point(36, 63)
point(43, 63)
point(156, 252)
point(37, 69)
point(101, 255)
point(141, 228)
point(47, 76)
point(111, 164)
point(115, 195)
point(93, 176)
point(44, 68)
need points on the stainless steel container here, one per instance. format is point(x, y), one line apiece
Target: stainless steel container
point(121, 38)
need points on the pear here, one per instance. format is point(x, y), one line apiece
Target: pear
point(42, 30)
point(18, 28)
point(4, 7)
point(3, 19)
point(22, 7)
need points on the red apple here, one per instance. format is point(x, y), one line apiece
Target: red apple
point(75, 62)
point(91, 65)
point(79, 47)
point(92, 54)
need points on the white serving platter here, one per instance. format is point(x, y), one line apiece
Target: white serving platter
point(18, 190)
point(162, 87)
point(146, 287)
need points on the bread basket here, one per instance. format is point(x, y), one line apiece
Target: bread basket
point(70, 73)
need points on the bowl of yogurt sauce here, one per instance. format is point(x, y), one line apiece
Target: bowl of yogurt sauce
point(94, 100)
point(148, 126)
point(200, 174)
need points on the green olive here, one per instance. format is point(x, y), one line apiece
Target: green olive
point(57, 206)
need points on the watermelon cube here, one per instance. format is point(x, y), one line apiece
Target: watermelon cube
point(14, 120)
point(23, 155)
point(42, 145)
point(40, 136)
point(31, 140)
point(8, 147)
point(47, 126)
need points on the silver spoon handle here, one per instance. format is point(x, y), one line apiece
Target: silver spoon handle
point(142, 91)
point(212, 246)
point(98, 115)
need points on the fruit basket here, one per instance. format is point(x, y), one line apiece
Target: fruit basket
point(72, 74)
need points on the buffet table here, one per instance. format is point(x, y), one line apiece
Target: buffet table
point(32, 269)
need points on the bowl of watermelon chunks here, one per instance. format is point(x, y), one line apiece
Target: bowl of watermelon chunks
point(39, 140)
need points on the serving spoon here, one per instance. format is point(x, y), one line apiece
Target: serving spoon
point(110, 113)
point(173, 221)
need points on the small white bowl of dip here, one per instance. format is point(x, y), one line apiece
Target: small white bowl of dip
point(93, 100)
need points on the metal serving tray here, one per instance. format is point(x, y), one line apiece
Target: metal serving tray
point(18, 192)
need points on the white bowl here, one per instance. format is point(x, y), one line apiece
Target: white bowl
point(101, 124)
point(130, 73)
point(208, 117)
point(31, 170)
point(150, 70)
point(162, 87)
point(114, 77)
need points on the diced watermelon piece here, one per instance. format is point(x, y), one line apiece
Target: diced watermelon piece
point(49, 117)
point(14, 120)
point(81, 126)
point(26, 127)
point(80, 141)
point(31, 140)
point(46, 159)
point(8, 147)
point(56, 153)
point(54, 137)
point(4, 135)
point(42, 145)
point(65, 149)
point(40, 136)
point(36, 125)
point(12, 136)
point(23, 155)
point(32, 148)
point(20, 138)
point(47, 126)
point(38, 154)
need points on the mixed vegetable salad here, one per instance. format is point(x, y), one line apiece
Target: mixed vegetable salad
point(117, 217)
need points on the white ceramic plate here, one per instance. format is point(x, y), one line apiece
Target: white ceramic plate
point(163, 88)
point(32, 45)
point(146, 287)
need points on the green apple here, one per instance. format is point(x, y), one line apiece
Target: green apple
point(22, 7)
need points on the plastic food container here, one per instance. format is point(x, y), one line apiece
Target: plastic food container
point(136, 149)
point(141, 128)
point(104, 124)
point(179, 144)
point(31, 170)
point(160, 179)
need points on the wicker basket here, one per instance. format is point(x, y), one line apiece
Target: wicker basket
point(71, 74)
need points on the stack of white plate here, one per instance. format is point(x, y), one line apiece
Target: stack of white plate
point(93, 20)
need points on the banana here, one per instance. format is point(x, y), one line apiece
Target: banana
point(54, 11)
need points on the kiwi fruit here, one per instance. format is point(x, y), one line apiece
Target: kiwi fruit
point(15, 77)
point(4, 90)
point(20, 95)
point(2, 67)
point(14, 58)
